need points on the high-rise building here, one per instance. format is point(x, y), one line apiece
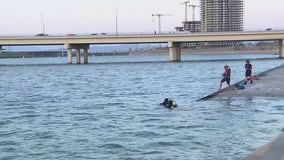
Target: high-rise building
point(221, 15)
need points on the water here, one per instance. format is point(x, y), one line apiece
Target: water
point(109, 109)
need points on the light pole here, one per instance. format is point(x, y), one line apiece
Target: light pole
point(116, 27)
point(159, 21)
point(42, 21)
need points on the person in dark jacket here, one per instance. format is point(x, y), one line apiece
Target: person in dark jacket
point(166, 101)
point(248, 74)
point(171, 105)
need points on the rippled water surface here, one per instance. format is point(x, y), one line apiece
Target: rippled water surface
point(109, 109)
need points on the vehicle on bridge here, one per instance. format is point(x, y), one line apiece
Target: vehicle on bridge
point(71, 34)
point(42, 34)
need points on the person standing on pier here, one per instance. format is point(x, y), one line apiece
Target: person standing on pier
point(226, 77)
point(248, 68)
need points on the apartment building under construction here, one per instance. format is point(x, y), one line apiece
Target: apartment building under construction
point(221, 15)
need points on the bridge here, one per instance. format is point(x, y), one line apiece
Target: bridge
point(174, 41)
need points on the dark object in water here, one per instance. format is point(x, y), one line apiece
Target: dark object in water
point(168, 103)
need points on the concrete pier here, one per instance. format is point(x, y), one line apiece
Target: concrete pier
point(268, 84)
point(78, 56)
point(273, 150)
point(281, 48)
point(78, 47)
point(85, 56)
point(69, 55)
point(175, 51)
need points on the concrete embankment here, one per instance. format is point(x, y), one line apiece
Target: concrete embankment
point(268, 84)
point(271, 151)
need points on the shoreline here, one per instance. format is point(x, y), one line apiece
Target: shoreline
point(150, 52)
point(273, 150)
point(268, 84)
point(265, 84)
point(239, 52)
point(205, 52)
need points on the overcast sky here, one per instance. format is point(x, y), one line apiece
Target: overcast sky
point(97, 16)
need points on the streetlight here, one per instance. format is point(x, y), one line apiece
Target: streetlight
point(116, 28)
point(43, 27)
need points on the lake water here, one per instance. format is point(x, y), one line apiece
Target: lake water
point(109, 109)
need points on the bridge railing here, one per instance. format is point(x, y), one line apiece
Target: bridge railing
point(131, 33)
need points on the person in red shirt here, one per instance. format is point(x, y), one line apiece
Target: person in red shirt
point(226, 77)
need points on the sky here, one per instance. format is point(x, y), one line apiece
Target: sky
point(27, 17)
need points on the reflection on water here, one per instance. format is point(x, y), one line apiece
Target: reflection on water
point(111, 110)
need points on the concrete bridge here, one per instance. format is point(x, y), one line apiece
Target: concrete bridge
point(174, 41)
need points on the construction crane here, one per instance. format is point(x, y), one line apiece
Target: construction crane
point(185, 9)
point(193, 11)
point(159, 18)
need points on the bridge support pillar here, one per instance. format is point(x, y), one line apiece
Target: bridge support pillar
point(85, 56)
point(175, 51)
point(281, 48)
point(78, 57)
point(69, 55)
